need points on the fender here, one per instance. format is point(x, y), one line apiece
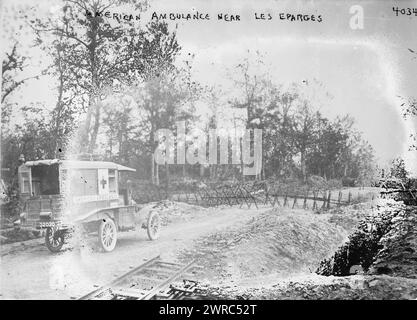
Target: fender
point(99, 214)
point(96, 216)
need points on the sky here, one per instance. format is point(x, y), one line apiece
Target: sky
point(366, 71)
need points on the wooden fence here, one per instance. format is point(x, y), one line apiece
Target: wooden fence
point(257, 194)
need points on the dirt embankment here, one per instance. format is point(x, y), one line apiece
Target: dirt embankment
point(273, 255)
point(279, 242)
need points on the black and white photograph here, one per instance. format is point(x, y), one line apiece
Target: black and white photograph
point(218, 150)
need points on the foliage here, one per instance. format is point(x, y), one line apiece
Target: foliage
point(15, 61)
point(298, 140)
point(99, 57)
point(32, 138)
point(11, 206)
point(398, 170)
point(360, 249)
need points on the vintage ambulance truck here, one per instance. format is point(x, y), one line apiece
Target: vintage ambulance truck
point(92, 196)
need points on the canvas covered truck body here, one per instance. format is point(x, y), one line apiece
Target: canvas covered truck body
point(58, 195)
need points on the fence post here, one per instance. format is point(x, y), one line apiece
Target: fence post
point(305, 200)
point(323, 206)
point(372, 201)
point(230, 196)
point(314, 202)
point(328, 199)
point(266, 193)
point(349, 198)
point(295, 201)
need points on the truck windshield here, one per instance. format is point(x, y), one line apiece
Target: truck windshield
point(45, 180)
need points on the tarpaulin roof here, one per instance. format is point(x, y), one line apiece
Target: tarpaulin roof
point(77, 164)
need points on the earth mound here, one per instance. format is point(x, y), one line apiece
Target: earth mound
point(280, 241)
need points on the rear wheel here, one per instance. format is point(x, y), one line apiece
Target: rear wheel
point(54, 239)
point(153, 225)
point(107, 234)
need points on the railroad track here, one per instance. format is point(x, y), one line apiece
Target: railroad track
point(155, 279)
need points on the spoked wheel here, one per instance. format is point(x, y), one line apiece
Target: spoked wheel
point(154, 226)
point(54, 239)
point(107, 234)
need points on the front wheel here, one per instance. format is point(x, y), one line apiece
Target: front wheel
point(54, 239)
point(107, 234)
point(153, 226)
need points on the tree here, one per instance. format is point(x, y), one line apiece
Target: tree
point(365, 164)
point(251, 82)
point(331, 140)
point(32, 138)
point(212, 96)
point(119, 131)
point(305, 133)
point(14, 61)
point(410, 110)
point(69, 99)
point(100, 57)
point(279, 128)
point(398, 170)
point(162, 101)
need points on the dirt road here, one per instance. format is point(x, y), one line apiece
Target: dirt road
point(35, 273)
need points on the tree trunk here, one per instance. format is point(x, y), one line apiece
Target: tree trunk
point(153, 169)
point(93, 138)
point(156, 174)
point(303, 165)
point(59, 106)
point(167, 173)
point(84, 137)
